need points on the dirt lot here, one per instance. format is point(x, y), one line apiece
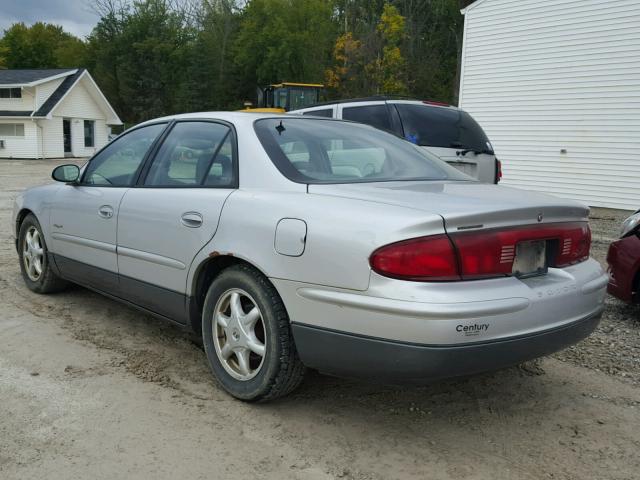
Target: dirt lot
point(92, 389)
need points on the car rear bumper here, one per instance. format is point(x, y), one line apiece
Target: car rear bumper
point(450, 313)
point(624, 264)
point(343, 354)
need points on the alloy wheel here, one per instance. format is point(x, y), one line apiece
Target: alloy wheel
point(239, 334)
point(33, 254)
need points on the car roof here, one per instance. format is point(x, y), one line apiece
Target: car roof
point(238, 117)
point(381, 98)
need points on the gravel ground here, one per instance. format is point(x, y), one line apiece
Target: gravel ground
point(90, 388)
point(614, 348)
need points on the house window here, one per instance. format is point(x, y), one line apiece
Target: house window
point(89, 133)
point(10, 93)
point(11, 130)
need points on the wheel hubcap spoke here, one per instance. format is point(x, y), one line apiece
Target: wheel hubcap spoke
point(243, 361)
point(256, 347)
point(249, 320)
point(222, 320)
point(226, 351)
point(239, 337)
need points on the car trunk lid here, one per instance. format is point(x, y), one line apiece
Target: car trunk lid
point(464, 205)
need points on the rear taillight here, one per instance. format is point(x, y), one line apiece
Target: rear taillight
point(498, 171)
point(427, 258)
point(482, 254)
point(574, 246)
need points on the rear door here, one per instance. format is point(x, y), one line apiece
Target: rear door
point(84, 216)
point(173, 212)
point(451, 134)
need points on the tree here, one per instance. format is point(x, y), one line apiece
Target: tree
point(141, 54)
point(346, 75)
point(283, 40)
point(41, 46)
point(388, 69)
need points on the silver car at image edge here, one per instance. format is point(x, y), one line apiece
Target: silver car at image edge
point(295, 242)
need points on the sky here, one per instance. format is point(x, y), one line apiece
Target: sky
point(75, 16)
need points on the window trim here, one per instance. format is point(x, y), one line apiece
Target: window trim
point(93, 133)
point(156, 148)
point(81, 181)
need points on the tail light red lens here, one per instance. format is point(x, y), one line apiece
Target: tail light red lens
point(427, 258)
point(498, 171)
point(482, 254)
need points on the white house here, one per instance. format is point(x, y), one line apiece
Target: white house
point(556, 86)
point(52, 113)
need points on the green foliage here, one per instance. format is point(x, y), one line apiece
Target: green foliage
point(40, 46)
point(158, 57)
point(283, 40)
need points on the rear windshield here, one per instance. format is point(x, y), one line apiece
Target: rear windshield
point(442, 127)
point(310, 150)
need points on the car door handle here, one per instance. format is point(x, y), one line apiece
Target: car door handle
point(191, 219)
point(105, 211)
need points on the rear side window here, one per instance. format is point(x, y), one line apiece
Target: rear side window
point(442, 127)
point(325, 112)
point(374, 115)
point(194, 154)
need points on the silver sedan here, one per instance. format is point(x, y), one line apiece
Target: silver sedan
point(298, 242)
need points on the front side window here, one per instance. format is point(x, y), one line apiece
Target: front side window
point(11, 130)
point(89, 133)
point(374, 115)
point(310, 150)
point(194, 154)
point(442, 127)
point(10, 93)
point(118, 164)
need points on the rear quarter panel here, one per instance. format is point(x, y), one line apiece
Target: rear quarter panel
point(341, 235)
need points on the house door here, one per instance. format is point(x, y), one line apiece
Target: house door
point(66, 131)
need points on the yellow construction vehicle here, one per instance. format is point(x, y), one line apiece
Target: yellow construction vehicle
point(286, 96)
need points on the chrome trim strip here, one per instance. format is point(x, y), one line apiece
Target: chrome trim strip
point(85, 242)
point(151, 258)
point(595, 285)
point(432, 311)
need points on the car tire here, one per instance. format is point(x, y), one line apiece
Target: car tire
point(34, 262)
point(234, 334)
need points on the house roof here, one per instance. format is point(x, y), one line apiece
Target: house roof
point(15, 113)
point(31, 77)
point(471, 5)
point(57, 95)
point(71, 76)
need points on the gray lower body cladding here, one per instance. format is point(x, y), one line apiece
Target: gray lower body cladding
point(385, 361)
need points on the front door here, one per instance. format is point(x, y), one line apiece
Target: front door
point(165, 222)
point(84, 216)
point(66, 132)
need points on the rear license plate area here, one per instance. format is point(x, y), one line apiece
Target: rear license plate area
point(531, 259)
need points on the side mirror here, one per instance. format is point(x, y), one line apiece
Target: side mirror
point(66, 173)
